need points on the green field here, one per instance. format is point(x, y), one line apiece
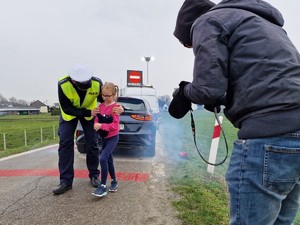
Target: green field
point(23, 132)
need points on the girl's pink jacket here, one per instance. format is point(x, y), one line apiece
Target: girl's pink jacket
point(114, 127)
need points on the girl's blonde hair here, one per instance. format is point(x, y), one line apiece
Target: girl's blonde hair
point(112, 87)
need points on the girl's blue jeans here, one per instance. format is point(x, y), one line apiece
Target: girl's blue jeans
point(263, 180)
point(106, 158)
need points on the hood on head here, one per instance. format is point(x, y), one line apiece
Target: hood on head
point(188, 13)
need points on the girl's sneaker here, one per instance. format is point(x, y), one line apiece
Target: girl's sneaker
point(100, 191)
point(113, 186)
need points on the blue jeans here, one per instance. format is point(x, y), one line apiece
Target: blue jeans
point(106, 158)
point(263, 180)
point(66, 132)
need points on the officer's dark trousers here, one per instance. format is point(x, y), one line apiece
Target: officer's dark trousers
point(66, 132)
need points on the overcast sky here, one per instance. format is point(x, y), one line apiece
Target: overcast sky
point(41, 39)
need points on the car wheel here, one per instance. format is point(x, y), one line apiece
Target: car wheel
point(151, 151)
point(151, 148)
point(81, 148)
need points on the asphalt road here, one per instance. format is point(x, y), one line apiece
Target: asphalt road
point(143, 196)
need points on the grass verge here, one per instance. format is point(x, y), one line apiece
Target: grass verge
point(20, 133)
point(202, 197)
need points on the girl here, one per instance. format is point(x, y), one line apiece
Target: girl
point(109, 142)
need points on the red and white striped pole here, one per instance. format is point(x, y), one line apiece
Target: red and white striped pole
point(214, 145)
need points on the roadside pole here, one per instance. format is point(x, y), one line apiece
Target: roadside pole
point(214, 145)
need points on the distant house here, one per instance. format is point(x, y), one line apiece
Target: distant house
point(56, 105)
point(165, 107)
point(39, 105)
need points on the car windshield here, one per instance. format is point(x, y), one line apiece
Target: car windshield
point(132, 104)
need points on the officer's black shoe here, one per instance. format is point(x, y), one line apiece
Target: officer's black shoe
point(95, 181)
point(62, 188)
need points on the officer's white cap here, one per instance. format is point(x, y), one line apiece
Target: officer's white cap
point(81, 72)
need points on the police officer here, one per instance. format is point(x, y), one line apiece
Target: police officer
point(78, 93)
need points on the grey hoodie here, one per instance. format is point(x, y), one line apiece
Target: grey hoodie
point(242, 51)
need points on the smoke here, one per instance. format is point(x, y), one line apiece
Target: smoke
point(177, 138)
point(177, 135)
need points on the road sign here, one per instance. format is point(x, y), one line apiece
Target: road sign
point(134, 78)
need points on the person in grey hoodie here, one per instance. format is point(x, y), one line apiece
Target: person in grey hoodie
point(245, 61)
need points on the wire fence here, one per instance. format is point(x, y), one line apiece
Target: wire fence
point(30, 137)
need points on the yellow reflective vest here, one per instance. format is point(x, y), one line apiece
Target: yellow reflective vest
point(90, 100)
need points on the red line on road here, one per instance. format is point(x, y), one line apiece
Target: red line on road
point(127, 176)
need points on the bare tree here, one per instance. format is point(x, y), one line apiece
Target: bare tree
point(2, 98)
point(22, 102)
point(12, 100)
point(165, 99)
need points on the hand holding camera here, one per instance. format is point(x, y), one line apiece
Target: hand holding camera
point(180, 105)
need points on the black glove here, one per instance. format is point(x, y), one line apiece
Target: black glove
point(180, 105)
point(175, 92)
point(211, 108)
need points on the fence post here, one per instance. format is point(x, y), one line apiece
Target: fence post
point(25, 138)
point(41, 135)
point(4, 142)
